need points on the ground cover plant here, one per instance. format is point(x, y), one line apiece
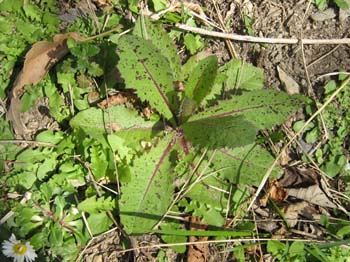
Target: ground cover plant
point(117, 131)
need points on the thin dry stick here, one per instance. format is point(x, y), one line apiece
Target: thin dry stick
point(267, 175)
point(257, 235)
point(229, 44)
point(84, 219)
point(238, 240)
point(332, 74)
point(310, 90)
point(264, 40)
point(323, 56)
point(71, 94)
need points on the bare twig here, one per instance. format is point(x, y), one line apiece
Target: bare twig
point(332, 74)
point(229, 44)
point(84, 219)
point(265, 40)
point(323, 56)
point(214, 242)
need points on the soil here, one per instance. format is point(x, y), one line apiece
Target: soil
point(287, 19)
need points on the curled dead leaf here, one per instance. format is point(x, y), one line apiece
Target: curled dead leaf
point(314, 194)
point(38, 61)
point(40, 58)
point(275, 192)
point(117, 99)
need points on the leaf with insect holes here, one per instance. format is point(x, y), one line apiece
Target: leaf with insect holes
point(147, 196)
point(201, 79)
point(263, 108)
point(155, 33)
point(121, 121)
point(230, 131)
point(144, 68)
point(244, 165)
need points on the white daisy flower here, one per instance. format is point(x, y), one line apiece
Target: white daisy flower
point(20, 252)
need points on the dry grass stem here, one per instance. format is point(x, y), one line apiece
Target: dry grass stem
point(222, 241)
point(263, 40)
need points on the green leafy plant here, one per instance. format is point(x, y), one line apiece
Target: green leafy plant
point(330, 156)
point(293, 252)
point(322, 4)
point(149, 64)
point(21, 25)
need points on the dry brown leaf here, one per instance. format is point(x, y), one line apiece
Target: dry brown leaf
point(277, 192)
point(292, 212)
point(117, 99)
point(197, 252)
point(38, 61)
point(314, 194)
point(298, 177)
point(40, 58)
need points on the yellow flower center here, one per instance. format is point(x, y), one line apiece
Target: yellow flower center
point(20, 249)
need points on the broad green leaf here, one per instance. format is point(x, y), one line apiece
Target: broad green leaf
point(155, 33)
point(122, 121)
point(172, 238)
point(56, 234)
point(187, 108)
point(11, 5)
point(242, 75)
point(149, 193)
point(244, 165)
point(343, 4)
point(263, 108)
point(144, 68)
point(193, 43)
point(47, 166)
point(99, 161)
point(49, 136)
point(230, 131)
point(275, 247)
point(201, 79)
point(209, 191)
point(93, 204)
point(39, 239)
point(133, 5)
point(208, 214)
point(216, 90)
point(191, 63)
point(32, 11)
point(99, 223)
